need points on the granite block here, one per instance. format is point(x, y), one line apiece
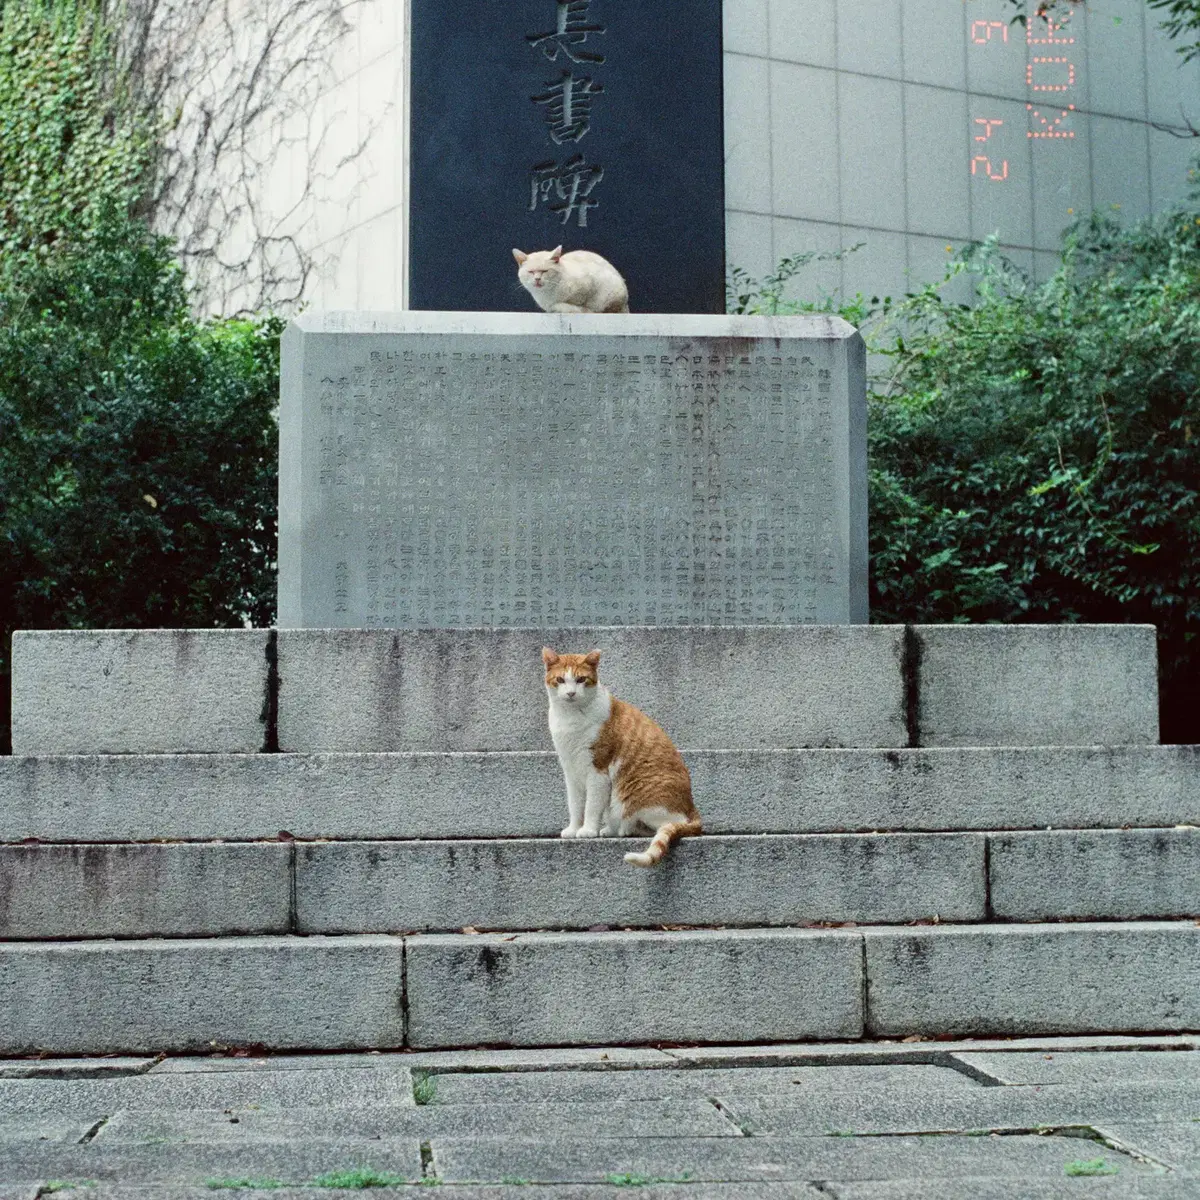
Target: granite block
point(383, 796)
point(450, 470)
point(573, 989)
point(97, 891)
point(483, 689)
point(1100, 874)
point(154, 995)
point(278, 1091)
point(691, 1160)
point(1029, 685)
point(1075, 1067)
point(146, 691)
point(356, 887)
point(1033, 979)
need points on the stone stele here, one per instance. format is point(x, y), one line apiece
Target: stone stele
point(443, 470)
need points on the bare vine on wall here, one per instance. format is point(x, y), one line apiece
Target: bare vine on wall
point(250, 145)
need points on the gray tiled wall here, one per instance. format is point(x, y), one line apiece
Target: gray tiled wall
point(856, 120)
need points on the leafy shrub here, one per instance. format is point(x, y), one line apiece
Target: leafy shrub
point(137, 447)
point(1037, 456)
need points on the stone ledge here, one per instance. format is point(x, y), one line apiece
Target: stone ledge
point(581, 988)
point(754, 687)
point(140, 890)
point(1093, 977)
point(351, 887)
point(145, 997)
point(140, 691)
point(1100, 874)
point(98, 798)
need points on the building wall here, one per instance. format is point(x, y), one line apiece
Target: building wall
point(901, 124)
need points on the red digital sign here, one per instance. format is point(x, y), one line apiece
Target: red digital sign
point(1050, 70)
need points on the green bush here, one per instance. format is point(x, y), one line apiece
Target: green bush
point(1037, 456)
point(138, 448)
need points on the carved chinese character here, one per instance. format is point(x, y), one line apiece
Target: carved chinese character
point(572, 183)
point(571, 31)
point(569, 114)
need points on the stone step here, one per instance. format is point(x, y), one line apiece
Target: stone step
point(217, 889)
point(577, 989)
point(118, 798)
point(196, 889)
point(315, 691)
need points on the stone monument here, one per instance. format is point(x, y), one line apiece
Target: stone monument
point(443, 470)
point(597, 124)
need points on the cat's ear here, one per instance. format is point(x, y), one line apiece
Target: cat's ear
point(519, 255)
point(556, 254)
point(548, 656)
point(592, 659)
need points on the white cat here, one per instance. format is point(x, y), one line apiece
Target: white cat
point(575, 282)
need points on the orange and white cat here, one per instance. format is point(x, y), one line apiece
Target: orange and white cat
point(575, 282)
point(623, 773)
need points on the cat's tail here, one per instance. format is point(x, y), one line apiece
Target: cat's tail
point(662, 840)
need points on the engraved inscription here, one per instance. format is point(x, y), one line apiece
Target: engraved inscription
point(566, 188)
point(514, 481)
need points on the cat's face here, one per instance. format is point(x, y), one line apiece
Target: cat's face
point(571, 678)
point(539, 271)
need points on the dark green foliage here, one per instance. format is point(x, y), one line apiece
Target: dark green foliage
point(72, 136)
point(137, 447)
point(1038, 456)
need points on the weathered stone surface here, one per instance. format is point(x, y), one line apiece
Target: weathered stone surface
point(1120, 1187)
point(594, 1086)
point(196, 1164)
point(197, 797)
point(1081, 1066)
point(1102, 874)
point(1050, 685)
point(482, 689)
point(737, 445)
point(1033, 979)
point(146, 691)
point(1174, 1144)
point(535, 884)
point(85, 891)
point(73, 1068)
point(529, 989)
point(134, 997)
point(940, 1052)
point(599, 1058)
point(762, 1159)
point(269, 1091)
point(28, 1127)
point(679, 1117)
point(1008, 1109)
point(567, 1191)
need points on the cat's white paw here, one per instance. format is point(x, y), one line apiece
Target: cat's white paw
point(588, 833)
point(570, 831)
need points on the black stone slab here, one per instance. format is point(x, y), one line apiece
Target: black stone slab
point(491, 140)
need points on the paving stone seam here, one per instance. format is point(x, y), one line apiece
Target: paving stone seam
point(1117, 1144)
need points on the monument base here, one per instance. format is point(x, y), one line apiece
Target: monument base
point(443, 470)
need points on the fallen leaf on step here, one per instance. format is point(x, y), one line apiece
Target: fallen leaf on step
point(469, 929)
point(913, 1037)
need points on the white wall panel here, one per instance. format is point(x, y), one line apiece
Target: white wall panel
point(823, 139)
